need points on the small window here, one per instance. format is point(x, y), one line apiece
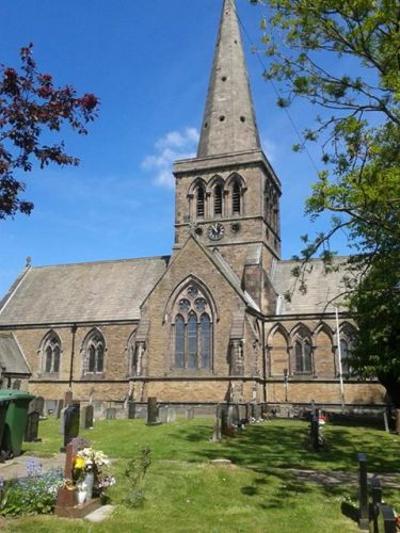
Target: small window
point(218, 200)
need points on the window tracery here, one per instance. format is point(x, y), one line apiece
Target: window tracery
point(303, 352)
point(94, 348)
point(192, 330)
point(51, 353)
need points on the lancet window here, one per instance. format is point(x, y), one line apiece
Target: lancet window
point(94, 348)
point(192, 330)
point(303, 352)
point(236, 198)
point(51, 353)
point(200, 201)
point(218, 199)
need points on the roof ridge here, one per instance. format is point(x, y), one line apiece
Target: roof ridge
point(104, 261)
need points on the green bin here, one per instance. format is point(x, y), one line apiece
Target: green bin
point(15, 420)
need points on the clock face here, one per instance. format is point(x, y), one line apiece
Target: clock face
point(216, 231)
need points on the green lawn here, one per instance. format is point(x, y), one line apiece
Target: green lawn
point(184, 492)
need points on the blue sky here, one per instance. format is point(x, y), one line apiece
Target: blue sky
point(149, 63)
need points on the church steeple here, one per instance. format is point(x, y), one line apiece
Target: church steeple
point(229, 123)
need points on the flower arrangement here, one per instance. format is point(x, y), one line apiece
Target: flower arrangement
point(91, 473)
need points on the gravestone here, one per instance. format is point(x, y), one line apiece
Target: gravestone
point(248, 411)
point(314, 430)
point(68, 398)
point(39, 405)
point(152, 411)
point(163, 414)
point(32, 424)
point(257, 411)
point(71, 423)
point(171, 417)
point(386, 520)
point(227, 425)
point(111, 413)
point(376, 493)
point(50, 407)
point(363, 518)
point(217, 432)
point(189, 414)
point(131, 409)
point(87, 417)
point(17, 384)
point(59, 408)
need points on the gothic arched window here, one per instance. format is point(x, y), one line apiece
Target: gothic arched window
point(94, 348)
point(347, 341)
point(200, 201)
point(303, 353)
point(51, 353)
point(218, 199)
point(192, 330)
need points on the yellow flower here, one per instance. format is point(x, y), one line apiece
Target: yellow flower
point(79, 463)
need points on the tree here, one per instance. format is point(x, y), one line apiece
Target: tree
point(358, 129)
point(31, 107)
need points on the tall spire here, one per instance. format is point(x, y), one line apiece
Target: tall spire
point(229, 123)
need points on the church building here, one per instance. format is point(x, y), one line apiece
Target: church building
point(211, 322)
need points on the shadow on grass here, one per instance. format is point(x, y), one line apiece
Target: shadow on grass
point(282, 444)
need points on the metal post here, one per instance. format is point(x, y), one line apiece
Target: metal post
point(363, 520)
point(339, 357)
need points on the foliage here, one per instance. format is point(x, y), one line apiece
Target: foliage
point(35, 494)
point(376, 304)
point(135, 472)
point(32, 107)
point(343, 57)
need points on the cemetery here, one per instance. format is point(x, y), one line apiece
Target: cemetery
point(163, 467)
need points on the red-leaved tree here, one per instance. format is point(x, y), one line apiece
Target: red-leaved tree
point(31, 106)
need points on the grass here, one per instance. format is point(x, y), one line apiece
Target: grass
point(184, 492)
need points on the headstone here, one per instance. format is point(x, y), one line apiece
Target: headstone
point(68, 398)
point(248, 411)
point(171, 417)
point(71, 423)
point(386, 421)
point(17, 384)
point(50, 407)
point(227, 421)
point(376, 492)
point(363, 518)
point(152, 411)
point(189, 415)
point(131, 410)
point(217, 432)
point(111, 413)
point(163, 414)
point(59, 408)
point(32, 424)
point(314, 430)
point(39, 405)
point(257, 411)
point(87, 417)
point(387, 520)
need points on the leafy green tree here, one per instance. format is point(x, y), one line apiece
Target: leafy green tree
point(343, 57)
point(31, 107)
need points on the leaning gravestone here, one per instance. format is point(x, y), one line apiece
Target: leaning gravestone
point(111, 413)
point(59, 408)
point(152, 411)
point(71, 423)
point(87, 417)
point(32, 424)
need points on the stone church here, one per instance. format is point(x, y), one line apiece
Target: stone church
point(209, 323)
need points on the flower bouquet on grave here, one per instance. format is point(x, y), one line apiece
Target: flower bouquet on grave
point(91, 474)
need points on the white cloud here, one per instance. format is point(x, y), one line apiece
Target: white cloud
point(172, 146)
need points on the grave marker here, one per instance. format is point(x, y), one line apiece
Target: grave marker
point(68, 398)
point(189, 413)
point(152, 411)
point(87, 417)
point(59, 408)
point(32, 424)
point(131, 409)
point(217, 433)
point(71, 423)
point(363, 519)
point(111, 413)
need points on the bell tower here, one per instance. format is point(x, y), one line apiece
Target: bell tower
point(229, 194)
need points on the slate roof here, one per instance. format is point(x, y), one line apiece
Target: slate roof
point(321, 287)
point(11, 356)
point(82, 292)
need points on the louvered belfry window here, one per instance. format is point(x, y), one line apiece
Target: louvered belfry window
point(218, 200)
point(236, 199)
point(200, 201)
